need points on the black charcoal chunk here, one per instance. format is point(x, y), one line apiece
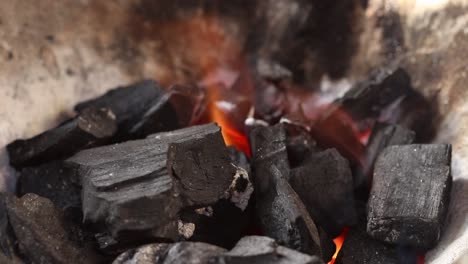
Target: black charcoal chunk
point(369, 98)
point(223, 223)
point(54, 181)
point(92, 127)
point(202, 167)
point(281, 213)
point(328, 246)
point(334, 208)
point(8, 252)
point(148, 254)
point(384, 135)
point(144, 108)
point(131, 188)
point(43, 233)
point(360, 248)
point(410, 195)
point(263, 250)
point(299, 144)
point(178, 253)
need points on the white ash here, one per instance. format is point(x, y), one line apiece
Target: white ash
point(186, 229)
point(241, 188)
point(207, 211)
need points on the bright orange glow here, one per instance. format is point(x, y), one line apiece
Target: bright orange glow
point(339, 243)
point(231, 135)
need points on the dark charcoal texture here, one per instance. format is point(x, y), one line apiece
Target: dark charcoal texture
point(263, 250)
point(369, 98)
point(299, 144)
point(92, 127)
point(179, 253)
point(145, 108)
point(384, 135)
point(223, 223)
point(328, 246)
point(7, 238)
point(410, 195)
point(325, 185)
point(136, 189)
point(281, 213)
point(202, 167)
point(360, 248)
point(53, 181)
point(43, 233)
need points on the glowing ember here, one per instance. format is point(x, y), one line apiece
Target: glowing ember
point(339, 243)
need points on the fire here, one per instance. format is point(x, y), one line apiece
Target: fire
point(232, 135)
point(339, 243)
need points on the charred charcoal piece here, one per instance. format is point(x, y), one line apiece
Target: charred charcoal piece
point(263, 250)
point(42, 232)
point(148, 254)
point(281, 213)
point(7, 237)
point(384, 135)
point(178, 253)
point(209, 224)
point(202, 168)
point(191, 252)
point(328, 246)
point(131, 187)
point(360, 248)
point(326, 170)
point(299, 144)
point(140, 109)
point(410, 195)
point(54, 181)
point(367, 99)
point(92, 127)
point(268, 146)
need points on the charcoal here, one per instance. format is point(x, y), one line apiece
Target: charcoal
point(259, 250)
point(360, 248)
point(144, 108)
point(209, 224)
point(52, 180)
point(92, 127)
point(139, 187)
point(410, 195)
point(182, 252)
point(148, 254)
point(369, 98)
point(299, 144)
point(326, 170)
point(328, 246)
point(43, 232)
point(8, 252)
point(281, 213)
point(202, 168)
point(384, 135)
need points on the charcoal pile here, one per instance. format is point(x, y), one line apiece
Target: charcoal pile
point(139, 176)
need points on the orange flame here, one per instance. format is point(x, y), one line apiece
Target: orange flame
point(232, 136)
point(339, 243)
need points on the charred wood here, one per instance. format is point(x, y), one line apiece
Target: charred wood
point(43, 233)
point(410, 195)
point(281, 213)
point(326, 170)
point(95, 126)
point(54, 181)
